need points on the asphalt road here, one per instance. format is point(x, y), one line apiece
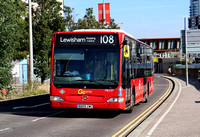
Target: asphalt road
point(31, 117)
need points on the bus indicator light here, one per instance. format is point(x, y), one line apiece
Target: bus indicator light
point(120, 94)
point(120, 89)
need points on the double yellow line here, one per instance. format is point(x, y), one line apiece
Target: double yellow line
point(134, 123)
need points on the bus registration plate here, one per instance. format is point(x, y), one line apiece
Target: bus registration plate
point(83, 106)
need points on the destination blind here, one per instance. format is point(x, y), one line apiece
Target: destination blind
point(86, 39)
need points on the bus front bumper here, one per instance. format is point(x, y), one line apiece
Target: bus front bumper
point(106, 105)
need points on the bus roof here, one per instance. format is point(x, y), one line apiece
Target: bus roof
point(103, 30)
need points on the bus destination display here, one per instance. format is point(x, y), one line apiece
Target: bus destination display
point(65, 40)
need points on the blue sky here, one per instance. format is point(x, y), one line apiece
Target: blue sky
point(141, 18)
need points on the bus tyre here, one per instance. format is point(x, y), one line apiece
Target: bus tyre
point(145, 98)
point(146, 95)
point(129, 110)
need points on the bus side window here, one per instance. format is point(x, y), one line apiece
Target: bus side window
point(137, 65)
point(132, 57)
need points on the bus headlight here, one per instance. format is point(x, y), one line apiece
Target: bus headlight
point(56, 98)
point(116, 99)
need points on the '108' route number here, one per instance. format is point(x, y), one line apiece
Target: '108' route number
point(107, 39)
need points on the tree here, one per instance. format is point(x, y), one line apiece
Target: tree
point(112, 25)
point(89, 21)
point(47, 18)
point(71, 25)
point(11, 12)
point(22, 44)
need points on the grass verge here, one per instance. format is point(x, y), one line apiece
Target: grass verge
point(26, 91)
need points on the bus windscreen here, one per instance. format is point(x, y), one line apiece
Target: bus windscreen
point(86, 67)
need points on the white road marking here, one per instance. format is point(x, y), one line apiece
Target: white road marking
point(163, 116)
point(47, 116)
point(19, 107)
point(1, 130)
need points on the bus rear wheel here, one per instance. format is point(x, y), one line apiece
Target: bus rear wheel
point(146, 95)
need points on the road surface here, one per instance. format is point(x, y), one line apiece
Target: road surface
point(31, 117)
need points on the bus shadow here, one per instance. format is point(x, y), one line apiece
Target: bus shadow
point(94, 113)
point(24, 107)
point(46, 111)
point(76, 113)
point(67, 113)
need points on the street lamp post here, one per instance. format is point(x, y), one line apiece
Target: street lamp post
point(186, 57)
point(30, 42)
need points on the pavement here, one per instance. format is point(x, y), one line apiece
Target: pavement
point(178, 116)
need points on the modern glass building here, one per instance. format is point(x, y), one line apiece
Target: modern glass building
point(194, 8)
point(194, 20)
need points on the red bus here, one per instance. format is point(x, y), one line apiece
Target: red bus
point(100, 69)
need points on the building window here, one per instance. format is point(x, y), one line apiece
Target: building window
point(154, 44)
point(163, 44)
point(172, 44)
point(146, 41)
point(178, 44)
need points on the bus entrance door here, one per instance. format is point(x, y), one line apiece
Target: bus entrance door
point(128, 82)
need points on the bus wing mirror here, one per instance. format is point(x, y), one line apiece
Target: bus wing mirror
point(49, 60)
point(49, 63)
point(126, 51)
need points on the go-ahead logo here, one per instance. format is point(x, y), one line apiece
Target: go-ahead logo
point(81, 91)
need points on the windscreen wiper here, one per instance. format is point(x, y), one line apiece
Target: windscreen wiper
point(97, 82)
